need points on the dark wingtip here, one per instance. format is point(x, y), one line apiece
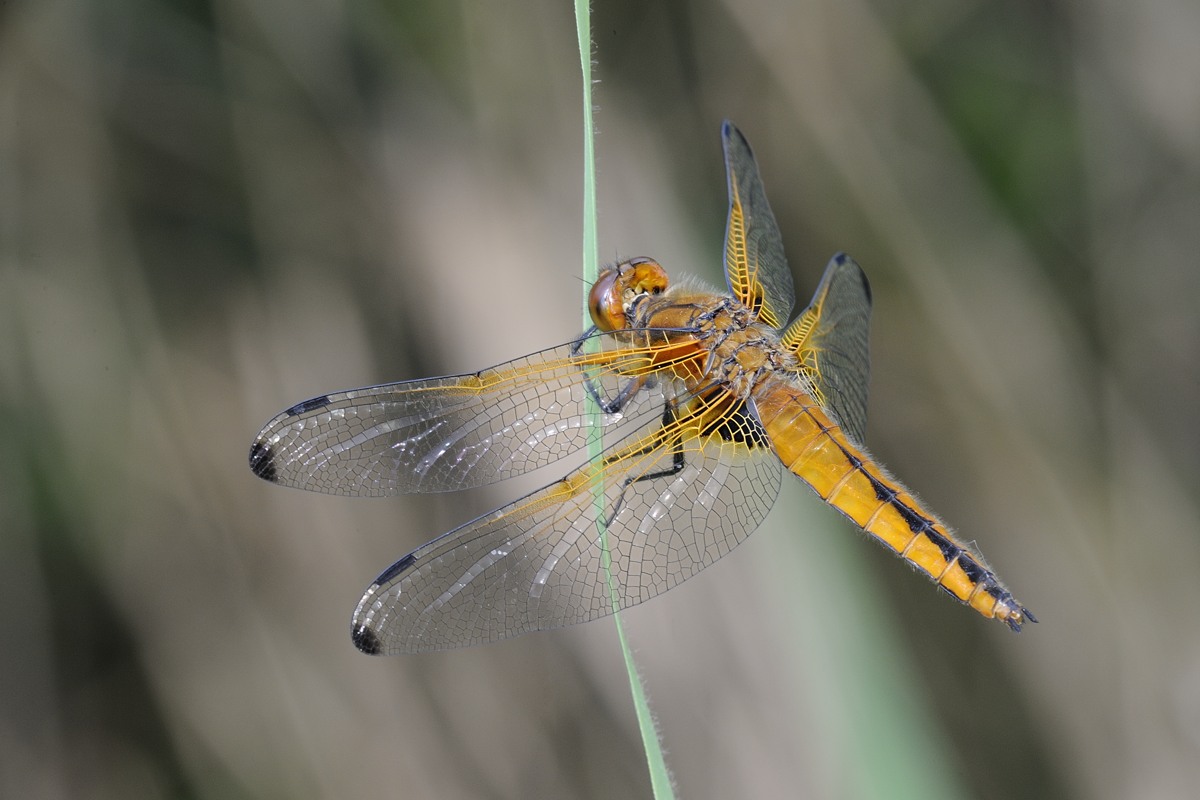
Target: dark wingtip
point(730, 131)
point(365, 640)
point(841, 259)
point(262, 461)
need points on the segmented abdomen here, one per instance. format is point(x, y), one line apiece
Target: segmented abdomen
point(814, 448)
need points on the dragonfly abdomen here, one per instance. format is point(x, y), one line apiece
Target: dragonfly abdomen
point(815, 449)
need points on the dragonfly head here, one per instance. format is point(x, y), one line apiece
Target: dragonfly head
point(618, 288)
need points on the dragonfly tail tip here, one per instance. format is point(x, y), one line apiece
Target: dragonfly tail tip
point(1017, 619)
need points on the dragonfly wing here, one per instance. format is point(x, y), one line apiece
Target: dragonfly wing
point(671, 507)
point(443, 434)
point(831, 339)
point(755, 266)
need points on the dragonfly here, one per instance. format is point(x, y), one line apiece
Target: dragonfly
point(677, 414)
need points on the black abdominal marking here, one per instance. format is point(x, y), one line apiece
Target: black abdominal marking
point(919, 525)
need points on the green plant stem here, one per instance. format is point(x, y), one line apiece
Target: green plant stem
point(660, 779)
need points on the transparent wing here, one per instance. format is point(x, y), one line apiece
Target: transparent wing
point(830, 338)
point(755, 266)
point(677, 499)
point(443, 434)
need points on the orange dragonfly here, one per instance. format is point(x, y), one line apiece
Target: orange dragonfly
point(703, 399)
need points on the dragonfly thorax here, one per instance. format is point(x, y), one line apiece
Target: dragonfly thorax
point(730, 346)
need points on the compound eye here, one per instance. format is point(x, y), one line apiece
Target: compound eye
point(604, 302)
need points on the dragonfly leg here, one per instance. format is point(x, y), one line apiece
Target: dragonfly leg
point(678, 462)
point(678, 459)
point(631, 387)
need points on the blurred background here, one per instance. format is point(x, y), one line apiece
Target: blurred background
point(212, 209)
